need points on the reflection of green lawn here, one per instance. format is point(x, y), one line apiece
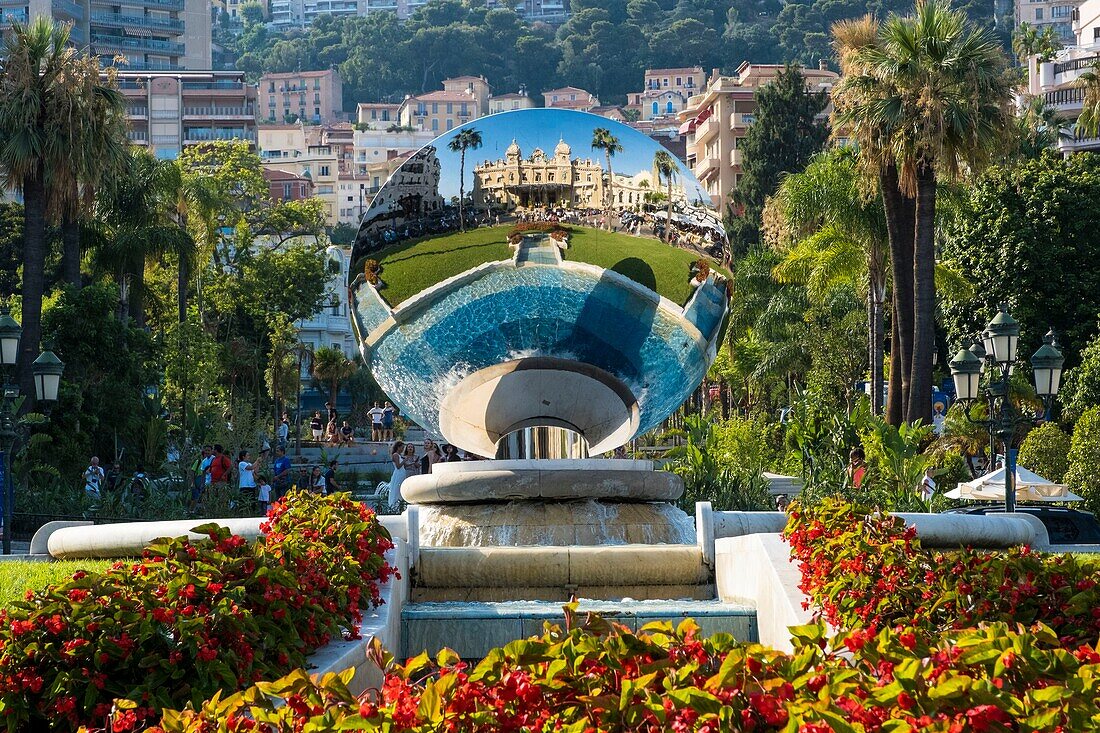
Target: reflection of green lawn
point(411, 267)
point(17, 577)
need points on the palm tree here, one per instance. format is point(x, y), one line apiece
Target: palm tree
point(332, 368)
point(1088, 122)
point(97, 151)
point(602, 139)
point(666, 168)
point(36, 93)
point(926, 96)
point(136, 225)
point(840, 237)
point(1029, 41)
point(468, 139)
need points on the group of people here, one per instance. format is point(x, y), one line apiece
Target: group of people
point(97, 480)
point(256, 481)
point(407, 462)
point(327, 429)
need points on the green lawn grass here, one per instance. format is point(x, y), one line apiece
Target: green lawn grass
point(16, 577)
point(411, 267)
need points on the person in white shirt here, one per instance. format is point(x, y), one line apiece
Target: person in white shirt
point(283, 434)
point(376, 413)
point(93, 478)
point(246, 470)
point(263, 495)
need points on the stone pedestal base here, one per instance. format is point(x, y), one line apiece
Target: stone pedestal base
point(538, 522)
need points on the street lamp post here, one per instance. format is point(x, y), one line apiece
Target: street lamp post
point(995, 356)
point(47, 370)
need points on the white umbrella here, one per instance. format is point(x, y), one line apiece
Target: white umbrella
point(1029, 487)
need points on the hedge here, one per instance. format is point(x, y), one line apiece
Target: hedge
point(190, 619)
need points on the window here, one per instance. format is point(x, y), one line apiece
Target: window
point(450, 123)
point(450, 108)
point(271, 87)
point(655, 108)
point(435, 108)
point(317, 111)
point(324, 170)
point(464, 111)
point(435, 124)
point(288, 190)
point(679, 81)
point(666, 82)
point(572, 97)
point(668, 107)
point(1038, 13)
point(1061, 11)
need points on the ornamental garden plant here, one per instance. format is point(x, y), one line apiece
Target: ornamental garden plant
point(190, 619)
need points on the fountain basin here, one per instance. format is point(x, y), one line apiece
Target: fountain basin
point(510, 480)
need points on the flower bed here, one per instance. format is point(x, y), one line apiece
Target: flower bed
point(867, 570)
point(190, 619)
point(605, 678)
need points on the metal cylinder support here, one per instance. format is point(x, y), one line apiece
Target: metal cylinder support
point(542, 441)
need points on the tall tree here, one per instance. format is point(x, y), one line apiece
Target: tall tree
point(929, 96)
point(785, 134)
point(36, 93)
point(332, 368)
point(97, 149)
point(1088, 122)
point(468, 139)
point(838, 234)
point(666, 168)
point(602, 139)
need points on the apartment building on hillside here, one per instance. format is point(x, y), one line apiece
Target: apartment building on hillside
point(167, 112)
point(463, 98)
point(160, 35)
point(716, 120)
point(315, 97)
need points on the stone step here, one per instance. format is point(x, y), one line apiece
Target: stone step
point(472, 629)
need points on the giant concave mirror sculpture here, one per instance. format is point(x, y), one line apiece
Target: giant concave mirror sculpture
point(558, 326)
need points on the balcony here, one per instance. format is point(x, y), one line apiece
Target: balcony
point(145, 22)
point(707, 129)
point(1067, 71)
point(735, 157)
point(139, 137)
point(220, 113)
point(1065, 100)
point(68, 9)
point(207, 135)
point(9, 16)
point(137, 113)
point(222, 85)
point(147, 45)
point(176, 5)
point(707, 168)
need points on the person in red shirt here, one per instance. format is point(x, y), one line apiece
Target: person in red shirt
point(857, 467)
point(220, 467)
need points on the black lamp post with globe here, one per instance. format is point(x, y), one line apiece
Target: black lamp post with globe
point(995, 356)
point(47, 369)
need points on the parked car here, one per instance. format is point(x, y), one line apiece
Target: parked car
point(1064, 526)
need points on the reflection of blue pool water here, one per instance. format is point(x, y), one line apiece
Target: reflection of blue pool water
point(511, 312)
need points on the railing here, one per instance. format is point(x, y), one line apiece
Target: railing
point(1073, 95)
point(12, 16)
point(214, 85)
point(139, 21)
point(166, 140)
point(137, 135)
point(166, 114)
point(1080, 64)
point(137, 111)
point(219, 111)
point(138, 44)
point(213, 135)
point(69, 7)
point(158, 4)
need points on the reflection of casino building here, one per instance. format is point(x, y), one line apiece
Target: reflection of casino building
point(412, 192)
point(539, 180)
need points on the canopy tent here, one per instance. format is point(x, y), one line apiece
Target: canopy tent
point(1029, 487)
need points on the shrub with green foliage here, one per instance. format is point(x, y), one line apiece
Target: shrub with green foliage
point(868, 571)
point(605, 678)
point(1081, 384)
point(1083, 476)
point(191, 618)
point(1045, 451)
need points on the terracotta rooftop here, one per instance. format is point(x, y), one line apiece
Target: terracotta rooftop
point(684, 70)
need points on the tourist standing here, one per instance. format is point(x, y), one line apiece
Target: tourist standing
point(332, 433)
point(202, 463)
point(388, 414)
point(114, 476)
point(317, 481)
point(93, 478)
point(432, 455)
point(220, 467)
point(316, 427)
point(331, 484)
point(283, 433)
point(450, 454)
point(263, 495)
point(246, 472)
point(332, 416)
point(281, 467)
point(857, 468)
point(302, 483)
point(397, 457)
point(376, 423)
